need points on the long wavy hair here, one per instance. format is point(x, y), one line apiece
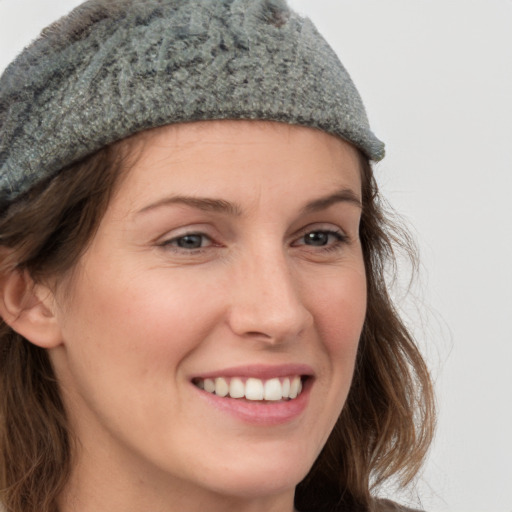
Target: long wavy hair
point(383, 431)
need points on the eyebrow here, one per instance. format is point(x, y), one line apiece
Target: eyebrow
point(200, 203)
point(221, 206)
point(344, 195)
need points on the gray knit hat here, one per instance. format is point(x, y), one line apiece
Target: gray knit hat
point(115, 67)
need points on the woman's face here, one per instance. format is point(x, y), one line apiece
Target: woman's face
point(228, 259)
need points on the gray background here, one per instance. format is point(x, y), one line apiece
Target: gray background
point(436, 77)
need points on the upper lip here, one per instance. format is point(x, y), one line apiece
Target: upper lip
point(259, 371)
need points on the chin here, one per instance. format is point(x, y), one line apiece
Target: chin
point(264, 475)
point(259, 484)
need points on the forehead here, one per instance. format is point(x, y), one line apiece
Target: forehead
point(227, 158)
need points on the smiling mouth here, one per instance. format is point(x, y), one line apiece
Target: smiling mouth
point(267, 390)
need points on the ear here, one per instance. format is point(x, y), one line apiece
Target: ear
point(28, 308)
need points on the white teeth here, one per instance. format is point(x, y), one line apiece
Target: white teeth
point(286, 388)
point(294, 387)
point(221, 387)
point(254, 389)
point(273, 390)
point(236, 388)
point(209, 385)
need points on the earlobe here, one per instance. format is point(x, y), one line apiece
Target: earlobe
point(28, 308)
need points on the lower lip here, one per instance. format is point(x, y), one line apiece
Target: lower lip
point(258, 413)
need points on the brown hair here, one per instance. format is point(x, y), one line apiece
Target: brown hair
point(44, 232)
point(384, 429)
point(388, 420)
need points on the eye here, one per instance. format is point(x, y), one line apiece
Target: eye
point(190, 241)
point(317, 238)
point(323, 238)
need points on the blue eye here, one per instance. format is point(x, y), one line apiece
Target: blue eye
point(189, 241)
point(323, 238)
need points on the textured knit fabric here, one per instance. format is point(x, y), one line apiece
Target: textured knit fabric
point(115, 67)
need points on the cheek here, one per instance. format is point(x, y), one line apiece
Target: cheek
point(340, 310)
point(340, 313)
point(138, 324)
point(125, 343)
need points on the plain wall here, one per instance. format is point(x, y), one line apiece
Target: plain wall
point(436, 78)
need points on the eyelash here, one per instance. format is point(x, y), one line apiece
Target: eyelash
point(340, 239)
point(173, 241)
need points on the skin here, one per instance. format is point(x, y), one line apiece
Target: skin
point(141, 316)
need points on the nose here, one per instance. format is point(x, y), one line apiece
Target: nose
point(267, 301)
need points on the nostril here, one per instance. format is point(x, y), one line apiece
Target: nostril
point(258, 333)
point(266, 300)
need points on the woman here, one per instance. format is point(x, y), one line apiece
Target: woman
point(194, 310)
